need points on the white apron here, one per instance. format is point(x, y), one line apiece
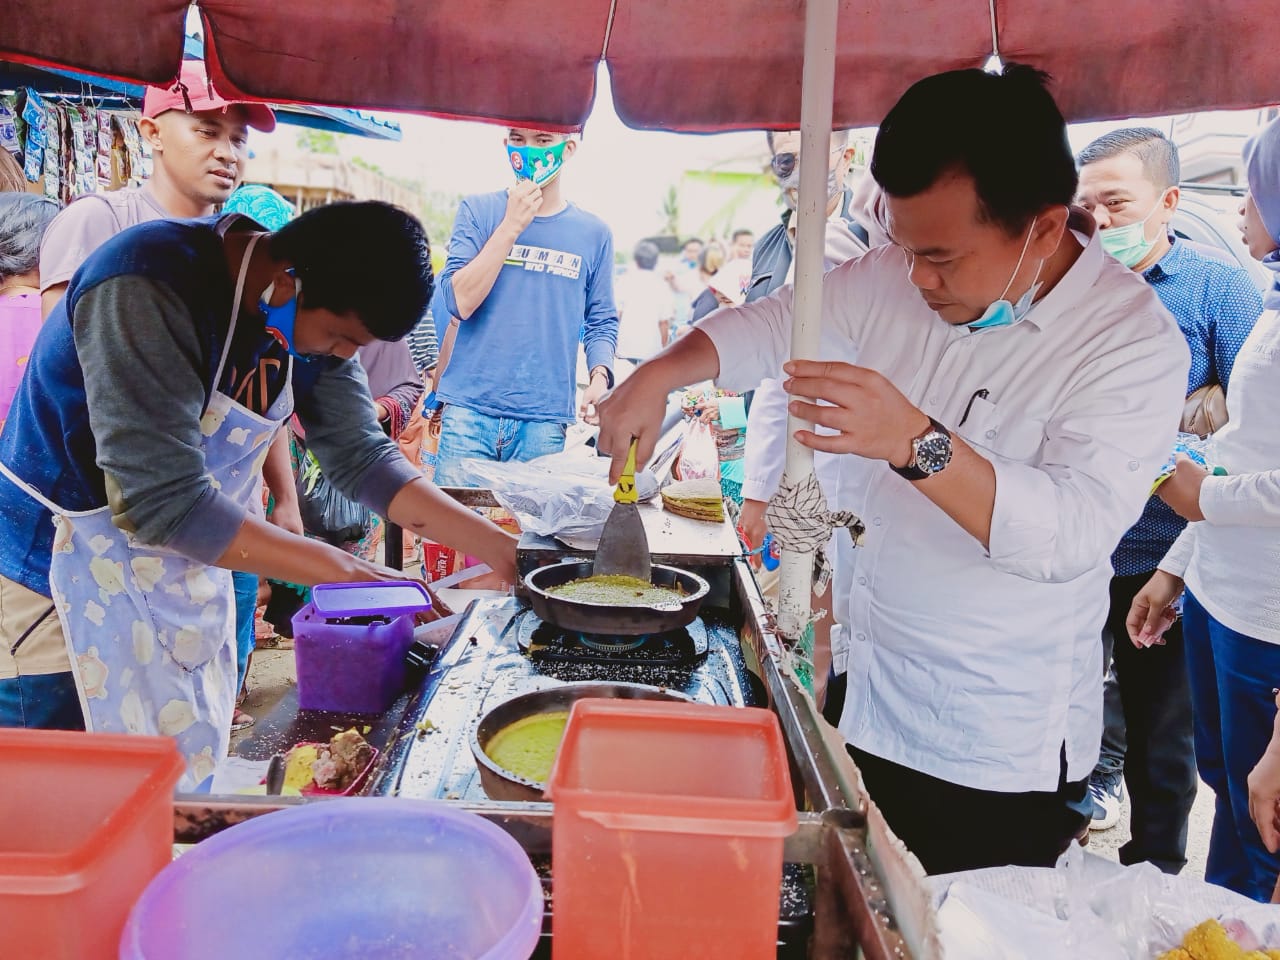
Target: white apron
point(150, 632)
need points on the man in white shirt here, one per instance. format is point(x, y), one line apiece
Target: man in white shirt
point(646, 306)
point(1002, 395)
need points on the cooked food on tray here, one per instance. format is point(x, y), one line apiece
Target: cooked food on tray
point(331, 767)
point(528, 747)
point(616, 590)
point(696, 499)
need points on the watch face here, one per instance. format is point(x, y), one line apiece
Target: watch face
point(933, 452)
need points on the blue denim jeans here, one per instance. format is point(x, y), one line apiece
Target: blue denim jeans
point(246, 588)
point(42, 701)
point(468, 435)
point(1232, 676)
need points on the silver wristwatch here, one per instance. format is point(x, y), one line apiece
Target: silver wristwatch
point(930, 453)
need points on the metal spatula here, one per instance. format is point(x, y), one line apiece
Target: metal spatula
point(624, 546)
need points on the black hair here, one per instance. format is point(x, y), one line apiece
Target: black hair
point(741, 232)
point(368, 258)
point(24, 217)
point(1157, 153)
point(646, 255)
point(1001, 129)
point(697, 240)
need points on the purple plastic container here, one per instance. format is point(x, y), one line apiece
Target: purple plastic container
point(355, 667)
point(354, 879)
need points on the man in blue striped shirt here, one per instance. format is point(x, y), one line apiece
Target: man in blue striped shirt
point(1129, 182)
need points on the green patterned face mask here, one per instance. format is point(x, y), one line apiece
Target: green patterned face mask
point(539, 164)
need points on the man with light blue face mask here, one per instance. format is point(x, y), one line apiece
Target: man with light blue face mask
point(1129, 182)
point(529, 277)
point(995, 468)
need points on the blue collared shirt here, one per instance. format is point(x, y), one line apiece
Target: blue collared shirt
point(1215, 304)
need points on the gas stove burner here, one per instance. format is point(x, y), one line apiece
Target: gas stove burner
point(542, 640)
point(606, 643)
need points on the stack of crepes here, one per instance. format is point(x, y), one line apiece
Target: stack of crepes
point(697, 499)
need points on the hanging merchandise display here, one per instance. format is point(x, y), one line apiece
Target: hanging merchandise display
point(72, 149)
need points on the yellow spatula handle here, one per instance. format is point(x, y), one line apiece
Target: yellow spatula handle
point(626, 491)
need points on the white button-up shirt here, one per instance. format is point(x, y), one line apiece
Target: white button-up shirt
point(981, 666)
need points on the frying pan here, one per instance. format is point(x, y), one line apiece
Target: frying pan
point(503, 784)
point(609, 619)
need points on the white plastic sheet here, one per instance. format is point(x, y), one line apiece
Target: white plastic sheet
point(564, 494)
point(1087, 907)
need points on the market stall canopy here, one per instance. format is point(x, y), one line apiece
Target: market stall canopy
point(53, 82)
point(674, 63)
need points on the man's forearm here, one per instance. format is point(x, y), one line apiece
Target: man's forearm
point(277, 470)
point(965, 491)
point(423, 508)
point(690, 359)
point(267, 550)
point(472, 283)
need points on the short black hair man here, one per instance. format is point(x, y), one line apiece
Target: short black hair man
point(129, 461)
point(529, 278)
point(1129, 182)
point(970, 377)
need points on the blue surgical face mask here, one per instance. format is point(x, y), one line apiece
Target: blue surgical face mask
point(280, 320)
point(539, 164)
point(1002, 313)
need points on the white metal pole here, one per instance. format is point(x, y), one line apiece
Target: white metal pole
point(816, 98)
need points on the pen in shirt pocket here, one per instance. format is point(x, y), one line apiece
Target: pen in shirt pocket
point(968, 407)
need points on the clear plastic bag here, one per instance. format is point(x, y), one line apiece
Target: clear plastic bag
point(564, 494)
point(699, 457)
point(1105, 910)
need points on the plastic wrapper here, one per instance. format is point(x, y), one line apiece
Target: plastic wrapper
point(9, 129)
point(1087, 906)
point(326, 511)
point(564, 494)
point(1199, 449)
point(699, 457)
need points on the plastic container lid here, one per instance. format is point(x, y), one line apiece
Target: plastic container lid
point(389, 598)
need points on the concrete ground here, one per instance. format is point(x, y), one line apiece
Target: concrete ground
point(1107, 843)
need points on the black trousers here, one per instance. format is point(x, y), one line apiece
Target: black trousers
point(1148, 732)
point(950, 827)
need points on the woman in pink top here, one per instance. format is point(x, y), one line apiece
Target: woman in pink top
point(23, 219)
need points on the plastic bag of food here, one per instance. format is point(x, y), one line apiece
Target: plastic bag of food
point(563, 494)
point(699, 458)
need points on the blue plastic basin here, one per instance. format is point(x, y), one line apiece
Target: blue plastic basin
point(353, 879)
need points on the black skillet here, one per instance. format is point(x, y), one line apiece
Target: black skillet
point(609, 619)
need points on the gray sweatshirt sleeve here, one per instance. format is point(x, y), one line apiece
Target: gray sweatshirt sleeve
point(144, 383)
point(336, 410)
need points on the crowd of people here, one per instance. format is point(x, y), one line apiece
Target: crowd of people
point(1013, 341)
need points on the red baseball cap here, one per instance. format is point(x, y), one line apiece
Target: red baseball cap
point(194, 93)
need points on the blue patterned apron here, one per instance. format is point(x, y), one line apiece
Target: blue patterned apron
point(151, 632)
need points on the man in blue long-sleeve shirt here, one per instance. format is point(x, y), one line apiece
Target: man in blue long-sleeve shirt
point(529, 276)
point(1129, 181)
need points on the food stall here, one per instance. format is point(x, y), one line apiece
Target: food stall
point(500, 650)
point(850, 887)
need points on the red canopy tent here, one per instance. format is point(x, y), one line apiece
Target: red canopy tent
point(675, 64)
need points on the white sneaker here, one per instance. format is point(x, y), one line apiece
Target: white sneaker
point(1107, 793)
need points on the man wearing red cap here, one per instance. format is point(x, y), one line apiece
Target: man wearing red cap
point(200, 145)
point(199, 142)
